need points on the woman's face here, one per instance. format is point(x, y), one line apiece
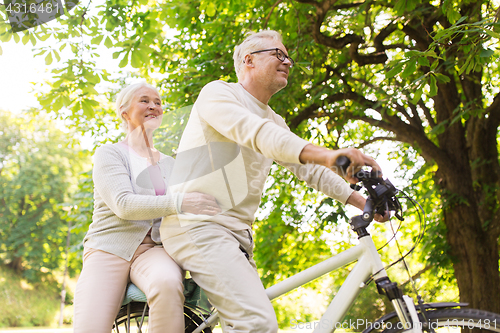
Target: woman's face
point(145, 108)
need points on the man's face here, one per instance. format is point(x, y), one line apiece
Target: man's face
point(270, 72)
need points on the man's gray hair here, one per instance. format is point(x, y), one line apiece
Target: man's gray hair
point(253, 42)
point(125, 97)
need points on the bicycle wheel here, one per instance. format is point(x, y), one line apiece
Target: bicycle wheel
point(137, 322)
point(453, 321)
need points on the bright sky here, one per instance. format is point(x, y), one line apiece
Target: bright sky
point(18, 67)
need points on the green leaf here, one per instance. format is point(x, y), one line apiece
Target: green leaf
point(16, 37)
point(97, 40)
point(48, 59)
point(33, 39)
point(486, 53)
point(442, 78)
point(417, 95)
point(107, 42)
point(395, 70)
point(66, 101)
point(5, 37)
point(77, 107)
point(211, 9)
point(463, 18)
point(26, 38)
point(58, 104)
point(492, 33)
point(305, 67)
point(439, 128)
point(433, 86)
point(87, 109)
point(423, 61)
point(136, 60)
point(124, 61)
point(453, 16)
point(410, 68)
point(57, 55)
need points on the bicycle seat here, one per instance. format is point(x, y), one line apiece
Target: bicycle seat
point(133, 294)
point(192, 293)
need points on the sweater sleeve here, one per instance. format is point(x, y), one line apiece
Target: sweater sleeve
point(112, 182)
point(220, 107)
point(322, 179)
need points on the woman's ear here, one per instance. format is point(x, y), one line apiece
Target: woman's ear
point(125, 115)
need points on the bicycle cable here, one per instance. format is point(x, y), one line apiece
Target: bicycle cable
point(417, 241)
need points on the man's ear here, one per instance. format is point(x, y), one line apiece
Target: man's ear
point(248, 60)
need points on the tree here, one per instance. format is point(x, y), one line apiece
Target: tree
point(37, 173)
point(417, 72)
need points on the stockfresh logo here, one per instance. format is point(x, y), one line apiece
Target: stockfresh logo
point(25, 14)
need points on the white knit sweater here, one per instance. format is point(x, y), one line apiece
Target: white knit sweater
point(226, 150)
point(125, 204)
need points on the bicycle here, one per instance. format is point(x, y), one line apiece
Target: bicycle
point(429, 317)
point(134, 309)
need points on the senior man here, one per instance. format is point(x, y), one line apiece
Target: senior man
point(227, 148)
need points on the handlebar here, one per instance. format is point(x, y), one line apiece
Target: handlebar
point(381, 192)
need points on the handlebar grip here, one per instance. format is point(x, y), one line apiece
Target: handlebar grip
point(343, 163)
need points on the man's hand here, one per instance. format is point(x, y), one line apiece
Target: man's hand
point(382, 218)
point(328, 158)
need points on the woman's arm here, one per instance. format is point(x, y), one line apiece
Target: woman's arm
point(113, 184)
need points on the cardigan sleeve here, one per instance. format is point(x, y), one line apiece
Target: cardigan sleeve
point(112, 182)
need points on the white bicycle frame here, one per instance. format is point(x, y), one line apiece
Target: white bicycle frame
point(369, 263)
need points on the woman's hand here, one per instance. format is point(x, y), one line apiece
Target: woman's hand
point(200, 203)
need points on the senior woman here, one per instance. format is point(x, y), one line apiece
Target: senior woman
point(123, 242)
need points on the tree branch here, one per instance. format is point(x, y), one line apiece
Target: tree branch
point(493, 111)
point(271, 12)
point(417, 275)
point(427, 113)
point(375, 139)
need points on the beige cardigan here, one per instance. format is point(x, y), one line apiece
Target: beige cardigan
point(125, 204)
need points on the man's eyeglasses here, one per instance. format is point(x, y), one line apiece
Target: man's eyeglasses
point(279, 54)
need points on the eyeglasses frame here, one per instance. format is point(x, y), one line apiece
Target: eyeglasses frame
point(278, 50)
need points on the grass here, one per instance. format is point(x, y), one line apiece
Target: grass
point(23, 304)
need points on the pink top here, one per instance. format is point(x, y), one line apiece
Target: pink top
point(154, 173)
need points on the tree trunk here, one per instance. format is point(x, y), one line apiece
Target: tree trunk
point(16, 264)
point(474, 248)
point(475, 259)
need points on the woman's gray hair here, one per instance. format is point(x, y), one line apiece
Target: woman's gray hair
point(125, 97)
point(253, 42)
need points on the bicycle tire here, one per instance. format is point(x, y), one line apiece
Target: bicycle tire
point(192, 319)
point(453, 320)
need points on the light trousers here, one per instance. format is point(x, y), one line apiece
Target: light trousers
point(215, 257)
point(102, 283)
